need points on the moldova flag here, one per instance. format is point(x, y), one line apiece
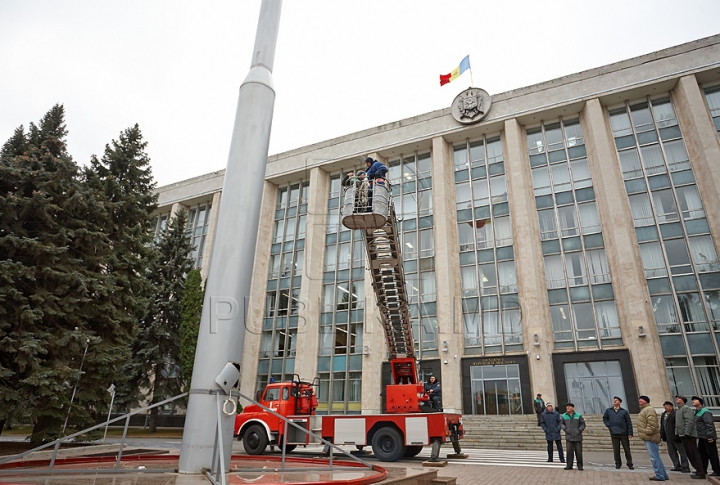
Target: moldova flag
point(464, 66)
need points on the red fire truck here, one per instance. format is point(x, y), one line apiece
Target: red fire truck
point(410, 422)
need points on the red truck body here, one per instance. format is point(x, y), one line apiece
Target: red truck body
point(392, 436)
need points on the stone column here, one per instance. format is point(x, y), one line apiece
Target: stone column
point(174, 210)
point(256, 303)
point(447, 271)
point(376, 353)
point(703, 147)
point(210, 238)
point(529, 264)
point(623, 255)
point(312, 277)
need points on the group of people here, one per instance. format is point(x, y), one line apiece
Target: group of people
point(364, 180)
point(688, 431)
point(572, 423)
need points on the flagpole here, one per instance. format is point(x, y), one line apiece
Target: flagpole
point(471, 79)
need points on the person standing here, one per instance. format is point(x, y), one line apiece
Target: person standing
point(674, 445)
point(649, 432)
point(573, 424)
point(707, 436)
point(550, 422)
point(618, 421)
point(434, 392)
point(539, 405)
point(686, 429)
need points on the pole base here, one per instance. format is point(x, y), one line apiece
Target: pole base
point(439, 463)
point(457, 456)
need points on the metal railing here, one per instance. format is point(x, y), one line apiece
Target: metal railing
point(57, 442)
point(217, 472)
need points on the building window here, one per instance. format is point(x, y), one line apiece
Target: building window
point(491, 310)
point(342, 313)
point(712, 95)
point(411, 181)
point(161, 225)
point(577, 274)
point(282, 298)
point(678, 253)
point(196, 231)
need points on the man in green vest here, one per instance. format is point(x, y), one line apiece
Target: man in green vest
point(707, 436)
point(539, 406)
point(573, 424)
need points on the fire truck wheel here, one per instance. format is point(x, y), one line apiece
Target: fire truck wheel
point(289, 448)
point(411, 451)
point(255, 440)
point(387, 444)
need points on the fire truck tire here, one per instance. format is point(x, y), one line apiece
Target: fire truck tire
point(255, 440)
point(411, 451)
point(387, 444)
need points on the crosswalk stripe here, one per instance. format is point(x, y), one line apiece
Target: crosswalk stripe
point(476, 456)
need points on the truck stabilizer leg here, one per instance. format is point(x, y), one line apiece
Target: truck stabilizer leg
point(455, 439)
point(435, 455)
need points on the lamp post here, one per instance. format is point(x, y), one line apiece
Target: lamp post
point(72, 398)
point(222, 326)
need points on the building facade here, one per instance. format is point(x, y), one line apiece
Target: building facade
point(567, 244)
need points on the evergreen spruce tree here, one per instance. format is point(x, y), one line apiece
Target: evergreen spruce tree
point(156, 349)
point(191, 309)
point(52, 250)
point(123, 175)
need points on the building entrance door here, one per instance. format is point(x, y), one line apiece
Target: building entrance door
point(496, 389)
point(591, 386)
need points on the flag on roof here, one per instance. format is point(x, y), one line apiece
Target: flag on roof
point(464, 66)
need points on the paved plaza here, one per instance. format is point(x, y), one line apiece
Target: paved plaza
point(481, 466)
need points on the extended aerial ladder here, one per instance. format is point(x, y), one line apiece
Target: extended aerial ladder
point(409, 422)
point(373, 213)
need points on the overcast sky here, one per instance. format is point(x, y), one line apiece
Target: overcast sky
point(174, 67)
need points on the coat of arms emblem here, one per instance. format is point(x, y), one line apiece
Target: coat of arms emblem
point(471, 106)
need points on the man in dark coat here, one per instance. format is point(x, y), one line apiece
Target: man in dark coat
point(375, 170)
point(707, 436)
point(686, 429)
point(617, 420)
point(674, 445)
point(550, 422)
point(539, 406)
point(434, 392)
point(573, 424)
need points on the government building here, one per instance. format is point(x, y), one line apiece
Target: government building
point(565, 244)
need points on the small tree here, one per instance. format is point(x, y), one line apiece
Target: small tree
point(191, 308)
point(157, 346)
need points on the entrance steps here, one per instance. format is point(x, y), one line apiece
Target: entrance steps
point(521, 432)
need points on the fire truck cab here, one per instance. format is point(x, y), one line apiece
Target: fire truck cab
point(258, 428)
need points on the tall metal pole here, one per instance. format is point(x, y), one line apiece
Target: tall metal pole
point(222, 325)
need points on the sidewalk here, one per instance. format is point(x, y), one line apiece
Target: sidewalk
point(599, 468)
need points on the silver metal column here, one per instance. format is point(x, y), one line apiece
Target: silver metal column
point(222, 327)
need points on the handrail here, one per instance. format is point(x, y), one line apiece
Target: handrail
point(56, 443)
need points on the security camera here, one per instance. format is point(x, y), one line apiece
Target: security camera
point(228, 376)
